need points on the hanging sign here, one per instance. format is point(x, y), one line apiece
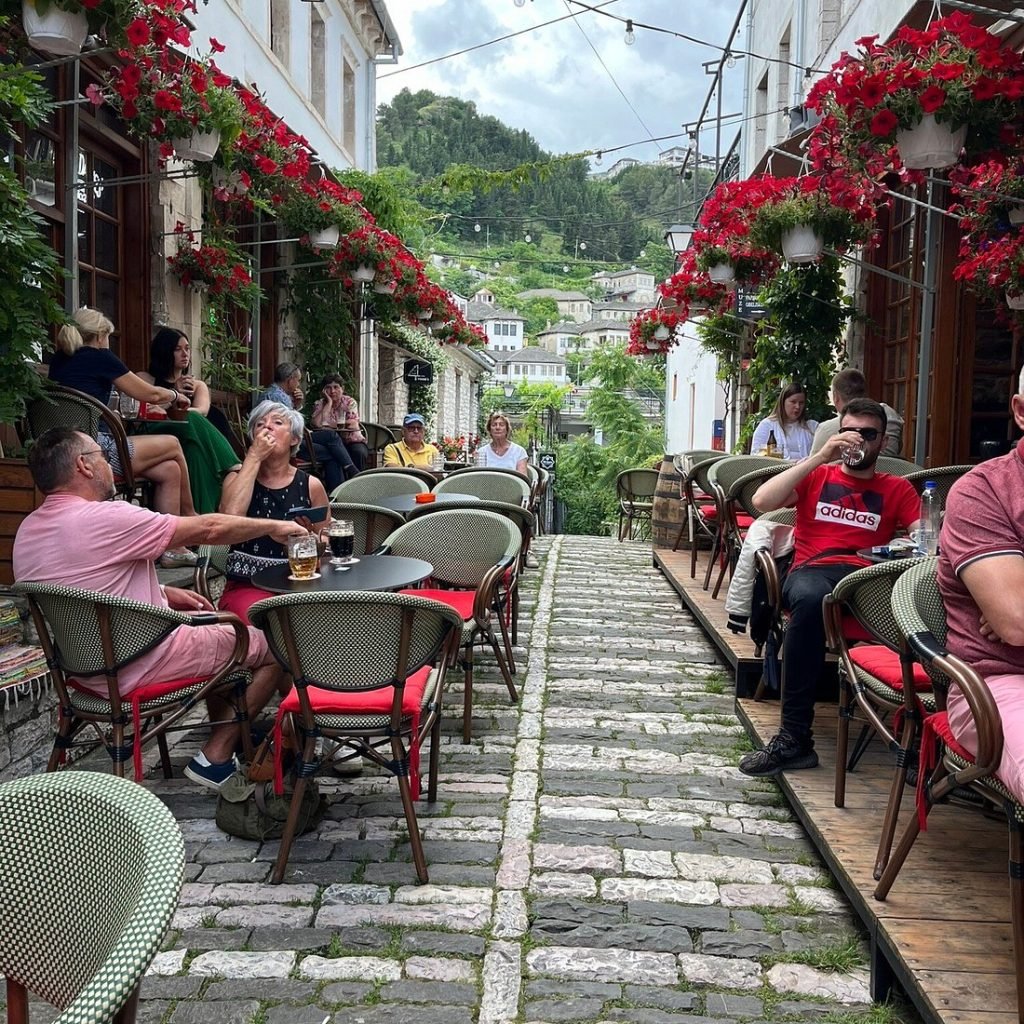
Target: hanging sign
point(418, 372)
point(547, 460)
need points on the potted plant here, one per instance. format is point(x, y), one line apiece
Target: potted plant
point(651, 332)
point(993, 267)
point(315, 216)
point(209, 116)
point(216, 266)
point(989, 195)
point(690, 290)
point(923, 91)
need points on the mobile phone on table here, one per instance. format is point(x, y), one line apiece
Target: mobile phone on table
point(314, 515)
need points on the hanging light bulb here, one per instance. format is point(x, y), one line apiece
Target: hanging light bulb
point(528, 237)
point(730, 60)
point(643, 253)
point(583, 246)
point(630, 34)
point(565, 268)
point(597, 157)
point(476, 228)
point(519, 3)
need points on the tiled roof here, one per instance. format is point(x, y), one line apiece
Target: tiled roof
point(479, 312)
point(532, 354)
point(563, 327)
point(553, 293)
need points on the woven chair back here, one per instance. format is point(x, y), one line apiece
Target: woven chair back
point(372, 525)
point(786, 516)
point(867, 594)
point(462, 544)
point(354, 641)
point(919, 611)
point(488, 484)
point(636, 484)
point(743, 488)
point(897, 467)
point(364, 488)
point(522, 517)
point(725, 472)
point(685, 461)
point(377, 435)
point(90, 872)
point(942, 476)
point(697, 478)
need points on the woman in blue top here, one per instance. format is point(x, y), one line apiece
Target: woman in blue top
point(84, 362)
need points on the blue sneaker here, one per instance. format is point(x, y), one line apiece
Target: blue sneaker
point(212, 776)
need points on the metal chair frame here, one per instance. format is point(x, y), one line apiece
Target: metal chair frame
point(380, 483)
point(632, 488)
point(487, 484)
point(696, 481)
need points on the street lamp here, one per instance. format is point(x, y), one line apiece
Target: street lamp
point(678, 238)
point(509, 389)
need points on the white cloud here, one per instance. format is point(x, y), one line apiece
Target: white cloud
point(551, 83)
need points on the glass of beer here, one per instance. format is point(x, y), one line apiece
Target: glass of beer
point(302, 557)
point(341, 536)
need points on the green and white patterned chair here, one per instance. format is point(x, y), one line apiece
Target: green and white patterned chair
point(366, 487)
point(487, 484)
point(471, 552)
point(90, 872)
point(369, 671)
point(87, 634)
point(372, 525)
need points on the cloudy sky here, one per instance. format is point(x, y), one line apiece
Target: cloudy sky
point(551, 81)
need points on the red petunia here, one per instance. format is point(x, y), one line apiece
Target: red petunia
point(947, 72)
point(137, 32)
point(883, 124)
point(165, 100)
point(932, 99)
point(216, 46)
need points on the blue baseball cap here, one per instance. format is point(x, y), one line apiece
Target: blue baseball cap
point(414, 417)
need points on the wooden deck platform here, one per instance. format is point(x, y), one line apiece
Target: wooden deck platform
point(944, 931)
point(736, 649)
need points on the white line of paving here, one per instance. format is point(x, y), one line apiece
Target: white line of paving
point(502, 973)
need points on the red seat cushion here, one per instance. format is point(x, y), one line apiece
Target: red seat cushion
point(884, 664)
point(371, 702)
point(708, 511)
point(855, 632)
point(743, 521)
point(459, 600)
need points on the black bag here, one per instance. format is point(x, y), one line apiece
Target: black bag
point(763, 617)
point(252, 810)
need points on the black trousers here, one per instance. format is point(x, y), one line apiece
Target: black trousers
point(803, 650)
point(333, 457)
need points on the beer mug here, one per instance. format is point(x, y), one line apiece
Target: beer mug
point(341, 537)
point(303, 557)
point(437, 463)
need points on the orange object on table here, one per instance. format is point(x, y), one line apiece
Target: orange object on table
point(425, 498)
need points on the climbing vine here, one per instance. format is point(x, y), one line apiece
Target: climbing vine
point(325, 315)
point(422, 397)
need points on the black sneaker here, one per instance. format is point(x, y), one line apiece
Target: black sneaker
point(781, 753)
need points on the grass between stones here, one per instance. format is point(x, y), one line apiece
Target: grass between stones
point(840, 957)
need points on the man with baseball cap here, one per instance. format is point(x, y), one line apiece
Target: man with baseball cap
point(412, 450)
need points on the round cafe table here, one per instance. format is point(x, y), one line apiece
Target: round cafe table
point(405, 503)
point(371, 572)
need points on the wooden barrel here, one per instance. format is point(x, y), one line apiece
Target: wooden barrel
point(667, 515)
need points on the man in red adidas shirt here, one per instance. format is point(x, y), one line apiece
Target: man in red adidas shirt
point(839, 510)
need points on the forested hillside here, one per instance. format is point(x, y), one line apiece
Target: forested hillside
point(615, 220)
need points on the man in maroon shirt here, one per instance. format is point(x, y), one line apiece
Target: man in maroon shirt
point(840, 509)
point(981, 578)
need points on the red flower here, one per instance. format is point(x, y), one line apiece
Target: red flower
point(215, 46)
point(164, 100)
point(883, 124)
point(932, 99)
point(137, 32)
point(265, 164)
point(91, 5)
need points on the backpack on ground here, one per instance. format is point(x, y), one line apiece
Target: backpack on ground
point(252, 810)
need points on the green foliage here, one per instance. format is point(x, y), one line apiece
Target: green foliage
point(387, 194)
point(802, 336)
point(226, 350)
point(835, 225)
point(422, 397)
point(722, 336)
point(325, 317)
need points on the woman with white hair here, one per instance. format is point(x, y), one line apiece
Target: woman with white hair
point(266, 487)
point(83, 361)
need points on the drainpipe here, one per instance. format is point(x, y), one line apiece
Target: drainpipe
point(71, 295)
point(924, 364)
point(799, 46)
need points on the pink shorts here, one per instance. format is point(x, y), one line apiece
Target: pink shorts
point(240, 597)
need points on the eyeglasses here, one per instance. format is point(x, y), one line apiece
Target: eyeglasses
point(414, 426)
point(96, 451)
point(868, 433)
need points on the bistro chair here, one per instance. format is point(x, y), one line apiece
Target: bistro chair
point(732, 523)
point(210, 573)
point(635, 489)
point(90, 873)
point(85, 634)
point(942, 476)
point(378, 437)
point(366, 487)
point(369, 671)
point(488, 484)
point(372, 525)
point(305, 458)
point(767, 568)
point(944, 765)
point(873, 679)
point(701, 512)
point(65, 407)
point(472, 552)
point(897, 467)
point(537, 502)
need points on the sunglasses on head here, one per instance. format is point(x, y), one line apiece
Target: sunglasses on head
point(868, 433)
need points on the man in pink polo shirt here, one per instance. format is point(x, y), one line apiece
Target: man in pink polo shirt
point(981, 577)
point(79, 538)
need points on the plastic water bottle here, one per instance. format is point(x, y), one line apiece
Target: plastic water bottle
point(928, 528)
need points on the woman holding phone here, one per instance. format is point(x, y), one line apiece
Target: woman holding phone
point(267, 486)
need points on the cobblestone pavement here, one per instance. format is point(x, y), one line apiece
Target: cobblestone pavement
point(594, 854)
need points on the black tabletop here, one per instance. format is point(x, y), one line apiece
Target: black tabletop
point(405, 503)
point(371, 572)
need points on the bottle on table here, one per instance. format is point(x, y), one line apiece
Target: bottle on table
point(930, 520)
point(771, 446)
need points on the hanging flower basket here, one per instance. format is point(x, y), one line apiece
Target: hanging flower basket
point(59, 32)
point(662, 333)
point(325, 238)
point(930, 145)
point(199, 146)
point(654, 345)
point(722, 273)
point(1015, 300)
point(385, 287)
point(364, 272)
point(802, 244)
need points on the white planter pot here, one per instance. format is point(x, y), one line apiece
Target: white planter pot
point(1015, 300)
point(802, 244)
point(424, 314)
point(325, 238)
point(722, 273)
point(385, 287)
point(1015, 214)
point(930, 145)
point(662, 333)
point(230, 181)
point(364, 272)
point(57, 31)
point(199, 146)
point(653, 345)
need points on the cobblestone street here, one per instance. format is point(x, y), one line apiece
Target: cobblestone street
point(594, 854)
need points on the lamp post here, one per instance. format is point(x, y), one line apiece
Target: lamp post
point(509, 389)
point(678, 238)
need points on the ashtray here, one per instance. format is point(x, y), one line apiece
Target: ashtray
point(425, 498)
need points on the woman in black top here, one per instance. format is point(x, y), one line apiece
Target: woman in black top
point(266, 487)
point(84, 362)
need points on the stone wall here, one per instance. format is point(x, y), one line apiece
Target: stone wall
point(26, 732)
